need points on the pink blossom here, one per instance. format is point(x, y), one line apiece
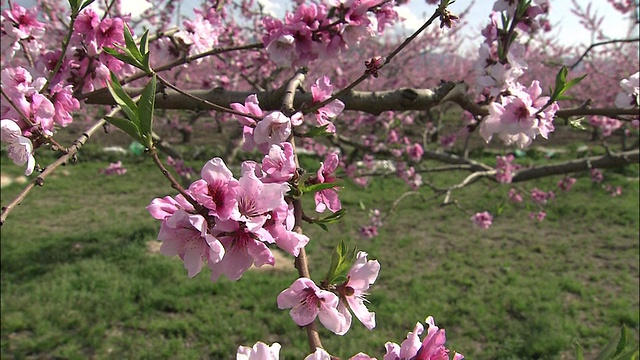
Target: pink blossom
point(21, 23)
point(596, 176)
point(415, 152)
point(279, 164)
point(186, 235)
point(368, 232)
point(431, 348)
point(307, 301)
point(243, 248)
point(274, 128)
point(327, 198)
point(319, 354)
point(321, 91)
point(251, 106)
point(540, 196)
point(64, 104)
point(20, 148)
point(617, 191)
point(280, 226)
point(259, 351)
point(87, 22)
point(448, 141)
point(539, 216)
point(163, 208)
point(256, 199)
point(201, 34)
point(566, 183)
point(114, 169)
point(606, 124)
point(517, 119)
point(482, 219)
point(386, 15)
point(515, 196)
point(361, 356)
point(505, 169)
point(110, 32)
point(361, 276)
point(217, 190)
point(629, 97)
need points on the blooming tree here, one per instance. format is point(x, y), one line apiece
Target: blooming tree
point(226, 222)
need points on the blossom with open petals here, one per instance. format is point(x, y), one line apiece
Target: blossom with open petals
point(19, 148)
point(431, 348)
point(259, 351)
point(361, 276)
point(307, 301)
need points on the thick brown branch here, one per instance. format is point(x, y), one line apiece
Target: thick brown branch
point(608, 161)
point(372, 102)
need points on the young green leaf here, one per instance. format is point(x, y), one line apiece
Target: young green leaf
point(317, 187)
point(145, 110)
point(615, 346)
point(131, 44)
point(86, 3)
point(317, 131)
point(123, 99)
point(579, 352)
point(125, 125)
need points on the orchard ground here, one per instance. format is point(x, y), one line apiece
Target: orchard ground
point(82, 278)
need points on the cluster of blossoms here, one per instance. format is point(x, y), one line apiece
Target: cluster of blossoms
point(312, 30)
point(432, 347)
point(541, 197)
point(308, 301)
point(20, 25)
point(566, 183)
point(371, 230)
point(242, 216)
point(605, 124)
point(516, 113)
point(539, 216)
point(85, 65)
point(115, 168)
point(200, 34)
point(482, 220)
point(505, 168)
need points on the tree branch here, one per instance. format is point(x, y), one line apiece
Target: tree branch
point(372, 102)
point(607, 161)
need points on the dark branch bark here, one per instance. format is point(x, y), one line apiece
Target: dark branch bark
point(372, 102)
point(612, 160)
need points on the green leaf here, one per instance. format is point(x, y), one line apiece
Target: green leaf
point(615, 346)
point(86, 3)
point(125, 125)
point(579, 352)
point(126, 57)
point(317, 131)
point(630, 355)
point(123, 99)
point(145, 110)
point(144, 43)
point(131, 44)
point(335, 217)
point(341, 262)
point(317, 187)
point(73, 4)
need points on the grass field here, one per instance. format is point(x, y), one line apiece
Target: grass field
point(81, 276)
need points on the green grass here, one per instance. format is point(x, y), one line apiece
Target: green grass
point(78, 279)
